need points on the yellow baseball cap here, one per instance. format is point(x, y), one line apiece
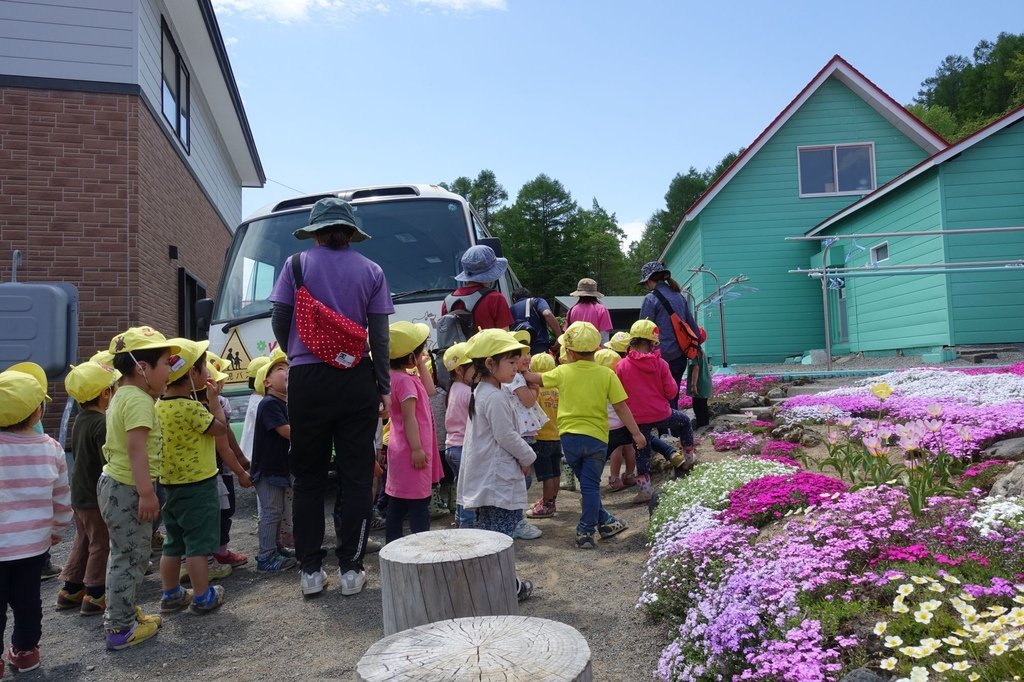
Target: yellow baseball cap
point(644, 329)
point(542, 362)
point(607, 357)
point(185, 357)
point(276, 358)
point(582, 337)
point(406, 337)
point(619, 342)
point(522, 336)
point(86, 381)
point(217, 365)
point(456, 356)
point(140, 338)
point(20, 395)
point(102, 357)
point(256, 363)
point(490, 342)
point(34, 371)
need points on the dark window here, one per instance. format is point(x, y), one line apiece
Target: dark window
point(880, 253)
point(836, 169)
point(175, 92)
point(190, 290)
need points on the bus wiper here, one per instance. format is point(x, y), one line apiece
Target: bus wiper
point(416, 292)
point(234, 322)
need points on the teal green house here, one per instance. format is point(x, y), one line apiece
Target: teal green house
point(840, 140)
point(977, 183)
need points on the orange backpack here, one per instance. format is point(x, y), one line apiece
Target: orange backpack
point(689, 342)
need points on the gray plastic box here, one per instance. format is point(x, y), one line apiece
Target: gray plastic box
point(39, 323)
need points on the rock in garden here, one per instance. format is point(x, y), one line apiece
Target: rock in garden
point(777, 393)
point(748, 400)
point(727, 422)
point(1009, 484)
point(793, 433)
point(809, 439)
point(863, 675)
point(1011, 449)
point(761, 413)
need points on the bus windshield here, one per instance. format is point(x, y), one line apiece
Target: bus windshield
point(418, 243)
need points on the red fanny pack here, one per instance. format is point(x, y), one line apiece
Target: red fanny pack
point(328, 334)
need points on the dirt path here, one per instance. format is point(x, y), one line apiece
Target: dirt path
point(266, 631)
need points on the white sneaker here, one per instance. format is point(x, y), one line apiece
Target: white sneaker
point(313, 583)
point(352, 582)
point(526, 531)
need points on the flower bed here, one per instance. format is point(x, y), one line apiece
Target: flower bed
point(729, 386)
point(767, 499)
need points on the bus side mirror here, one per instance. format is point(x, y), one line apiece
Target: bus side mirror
point(494, 243)
point(204, 315)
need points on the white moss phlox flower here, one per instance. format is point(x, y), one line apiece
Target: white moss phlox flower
point(888, 663)
point(893, 641)
point(918, 674)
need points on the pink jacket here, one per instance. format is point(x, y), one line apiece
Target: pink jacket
point(649, 385)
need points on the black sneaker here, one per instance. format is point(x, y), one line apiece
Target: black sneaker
point(585, 541)
point(523, 590)
point(614, 527)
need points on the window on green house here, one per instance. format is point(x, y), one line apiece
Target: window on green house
point(836, 169)
point(879, 253)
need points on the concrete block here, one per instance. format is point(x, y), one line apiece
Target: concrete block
point(945, 355)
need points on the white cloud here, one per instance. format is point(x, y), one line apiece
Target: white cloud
point(300, 11)
point(463, 5)
point(634, 229)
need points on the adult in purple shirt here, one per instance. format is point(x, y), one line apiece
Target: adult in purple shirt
point(331, 406)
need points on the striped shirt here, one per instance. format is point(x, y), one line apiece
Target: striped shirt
point(35, 500)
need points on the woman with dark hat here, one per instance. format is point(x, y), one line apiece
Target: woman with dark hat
point(333, 401)
point(657, 278)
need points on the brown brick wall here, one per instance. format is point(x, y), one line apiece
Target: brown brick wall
point(93, 193)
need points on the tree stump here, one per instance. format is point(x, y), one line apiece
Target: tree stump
point(443, 574)
point(482, 649)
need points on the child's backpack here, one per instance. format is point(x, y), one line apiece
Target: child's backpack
point(689, 342)
point(527, 323)
point(455, 326)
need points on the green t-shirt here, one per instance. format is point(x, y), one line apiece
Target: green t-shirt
point(131, 408)
point(190, 455)
point(584, 391)
point(87, 437)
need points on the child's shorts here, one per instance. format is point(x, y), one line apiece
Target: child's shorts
point(191, 517)
point(549, 458)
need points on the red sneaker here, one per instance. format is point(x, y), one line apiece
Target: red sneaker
point(231, 558)
point(23, 661)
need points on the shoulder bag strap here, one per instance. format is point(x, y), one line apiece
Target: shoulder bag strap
point(664, 301)
point(297, 270)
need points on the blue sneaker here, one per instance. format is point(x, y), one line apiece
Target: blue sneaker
point(275, 563)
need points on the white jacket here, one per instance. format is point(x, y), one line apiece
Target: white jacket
point(493, 454)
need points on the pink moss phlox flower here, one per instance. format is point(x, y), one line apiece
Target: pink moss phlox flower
point(975, 470)
point(764, 500)
point(731, 384)
point(733, 440)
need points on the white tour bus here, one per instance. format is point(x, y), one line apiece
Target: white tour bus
point(418, 235)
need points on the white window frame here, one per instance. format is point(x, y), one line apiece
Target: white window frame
point(835, 169)
point(875, 260)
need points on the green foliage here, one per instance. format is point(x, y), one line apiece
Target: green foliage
point(485, 193)
point(966, 94)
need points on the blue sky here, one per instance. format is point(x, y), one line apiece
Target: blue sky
point(611, 98)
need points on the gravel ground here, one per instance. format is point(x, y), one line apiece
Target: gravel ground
point(267, 631)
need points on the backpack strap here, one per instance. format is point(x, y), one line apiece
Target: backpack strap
point(469, 301)
point(297, 270)
point(529, 312)
point(664, 302)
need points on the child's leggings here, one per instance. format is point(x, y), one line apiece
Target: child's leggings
point(129, 550)
point(399, 508)
point(677, 421)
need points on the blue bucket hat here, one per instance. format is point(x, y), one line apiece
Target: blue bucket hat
point(331, 212)
point(480, 264)
point(652, 268)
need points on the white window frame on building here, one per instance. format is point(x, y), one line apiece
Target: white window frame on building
point(877, 250)
point(175, 91)
point(838, 181)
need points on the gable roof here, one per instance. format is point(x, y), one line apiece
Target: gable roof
point(875, 97)
point(932, 161)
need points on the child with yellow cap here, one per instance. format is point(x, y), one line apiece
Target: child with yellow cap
point(270, 472)
point(91, 385)
point(35, 507)
point(617, 453)
point(547, 444)
point(414, 463)
point(584, 391)
point(126, 493)
point(460, 369)
point(189, 475)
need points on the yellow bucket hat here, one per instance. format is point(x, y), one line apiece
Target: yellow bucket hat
point(406, 337)
point(217, 365)
point(140, 338)
point(185, 357)
point(86, 381)
point(490, 342)
point(607, 357)
point(456, 356)
point(522, 336)
point(582, 337)
point(276, 358)
point(644, 329)
point(619, 342)
point(34, 371)
point(20, 395)
point(256, 363)
point(103, 357)
point(542, 362)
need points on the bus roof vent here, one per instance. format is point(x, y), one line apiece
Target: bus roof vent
point(396, 191)
point(308, 200)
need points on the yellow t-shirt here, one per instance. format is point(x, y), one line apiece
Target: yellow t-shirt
point(190, 454)
point(131, 408)
point(548, 401)
point(584, 391)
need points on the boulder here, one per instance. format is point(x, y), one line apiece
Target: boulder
point(727, 422)
point(1010, 484)
point(761, 413)
point(748, 400)
point(863, 675)
point(777, 393)
point(793, 433)
point(810, 438)
point(1011, 449)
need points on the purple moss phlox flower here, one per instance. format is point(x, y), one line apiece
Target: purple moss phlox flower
point(800, 657)
point(780, 459)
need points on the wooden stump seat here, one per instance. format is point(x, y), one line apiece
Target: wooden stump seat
point(482, 649)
